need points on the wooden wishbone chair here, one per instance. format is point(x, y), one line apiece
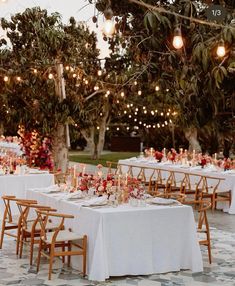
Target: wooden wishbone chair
point(211, 190)
point(176, 184)
point(203, 226)
point(112, 167)
point(59, 238)
point(156, 183)
point(30, 228)
point(12, 222)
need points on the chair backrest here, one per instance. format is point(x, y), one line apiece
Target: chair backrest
point(202, 220)
point(25, 208)
point(8, 201)
point(43, 218)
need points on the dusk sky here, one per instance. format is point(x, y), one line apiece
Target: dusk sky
point(67, 8)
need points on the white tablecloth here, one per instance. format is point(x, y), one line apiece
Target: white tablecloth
point(132, 240)
point(225, 185)
point(18, 184)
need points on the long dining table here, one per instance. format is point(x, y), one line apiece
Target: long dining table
point(227, 182)
point(16, 185)
point(130, 240)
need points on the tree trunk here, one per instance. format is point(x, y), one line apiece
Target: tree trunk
point(59, 148)
point(96, 146)
point(191, 136)
point(61, 135)
point(89, 135)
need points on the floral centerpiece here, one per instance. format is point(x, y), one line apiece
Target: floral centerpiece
point(37, 148)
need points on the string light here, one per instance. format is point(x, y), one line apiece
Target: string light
point(122, 94)
point(18, 78)
point(107, 128)
point(86, 82)
point(221, 49)
point(139, 92)
point(162, 113)
point(135, 82)
point(50, 76)
point(67, 68)
point(177, 39)
point(118, 128)
point(157, 88)
point(74, 75)
point(125, 111)
point(35, 71)
point(99, 72)
point(6, 78)
point(109, 27)
point(97, 127)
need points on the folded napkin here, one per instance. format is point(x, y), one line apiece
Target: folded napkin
point(196, 168)
point(96, 201)
point(50, 189)
point(162, 201)
point(36, 171)
point(230, 172)
point(75, 195)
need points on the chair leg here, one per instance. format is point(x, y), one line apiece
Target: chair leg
point(39, 254)
point(31, 249)
point(63, 250)
point(2, 234)
point(21, 243)
point(69, 256)
point(209, 252)
point(51, 261)
point(18, 240)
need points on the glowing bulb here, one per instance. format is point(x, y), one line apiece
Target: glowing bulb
point(107, 128)
point(86, 81)
point(50, 76)
point(6, 78)
point(67, 68)
point(221, 50)
point(117, 128)
point(178, 42)
point(122, 94)
point(18, 78)
point(74, 75)
point(177, 39)
point(99, 72)
point(109, 28)
point(135, 82)
point(35, 71)
point(97, 127)
point(157, 88)
point(139, 92)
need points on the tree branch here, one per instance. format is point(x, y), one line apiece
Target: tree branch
point(94, 93)
point(163, 10)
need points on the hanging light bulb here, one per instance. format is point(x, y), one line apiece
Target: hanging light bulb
point(177, 39)
point(221, 49)
point(109, 27)
point(50, 76)
point(6, 78)
point(99, 72)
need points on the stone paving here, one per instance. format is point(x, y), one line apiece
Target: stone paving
point(15, 271)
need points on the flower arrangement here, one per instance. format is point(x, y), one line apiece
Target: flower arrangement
point(158, 155)
point(172, 154)
point(37, 149)
point(135, 188)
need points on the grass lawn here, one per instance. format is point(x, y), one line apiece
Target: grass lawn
point(113, 156)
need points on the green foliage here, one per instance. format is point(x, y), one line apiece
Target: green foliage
point(40, 42)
